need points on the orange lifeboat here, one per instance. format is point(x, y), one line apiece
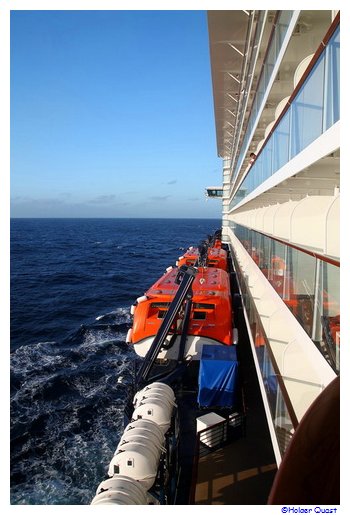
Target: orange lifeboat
point(210, 318)
point(216, 257)
point(217, 243)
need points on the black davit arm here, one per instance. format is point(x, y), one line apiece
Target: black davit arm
point(185, 278)
point(186, 323)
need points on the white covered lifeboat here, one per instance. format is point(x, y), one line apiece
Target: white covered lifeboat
point(134, 466)
point(120, 490)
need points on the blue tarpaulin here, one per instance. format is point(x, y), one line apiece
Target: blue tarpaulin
point(218, 376)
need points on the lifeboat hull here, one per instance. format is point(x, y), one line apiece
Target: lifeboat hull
point(217, 257)
point(211, 320)
point(193, 348)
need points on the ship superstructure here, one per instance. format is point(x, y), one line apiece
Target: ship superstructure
point(275, 81)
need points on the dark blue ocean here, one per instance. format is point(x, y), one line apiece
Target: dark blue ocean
point(72, 284)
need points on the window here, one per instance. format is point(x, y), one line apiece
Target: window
point(201, 305)
point(199, 315)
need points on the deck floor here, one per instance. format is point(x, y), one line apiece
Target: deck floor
point(242, 472)
point(234, 475)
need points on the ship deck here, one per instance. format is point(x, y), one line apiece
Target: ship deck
point(242, 471)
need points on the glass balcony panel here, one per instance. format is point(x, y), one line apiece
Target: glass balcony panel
point(240, 194)
point(300, 279)
point(254, 242)
point(333, 77)
point(275, 47)
point(256, 246)
point(266, 255)
point(267, 74)
point(277, 267)
point(254, 112)
point(331, 287)
point(250, 184)
point(267, 170)
point(330, 316)
point(301, 287)
point(307, 110)
point(273, 51)
point(277, 405)
point(255, 179)
point(313, 110)
point(281, 143)
point(260, 165)
point(261, 91)
point(282, 26)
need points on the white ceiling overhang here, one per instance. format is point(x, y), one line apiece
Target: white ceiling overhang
point(227, 40)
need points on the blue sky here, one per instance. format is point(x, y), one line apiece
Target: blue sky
point(112, 114)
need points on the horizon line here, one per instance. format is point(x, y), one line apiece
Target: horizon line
point(110, 218)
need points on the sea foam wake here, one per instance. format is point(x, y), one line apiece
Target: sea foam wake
point(67, 411)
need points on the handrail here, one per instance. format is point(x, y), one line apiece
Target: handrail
point(278, 375)
point(303, 78)
point(242, 105)
point(233, 164)
point(313, 62)
point(316, 255)
point(235, 172)
point(220, 438)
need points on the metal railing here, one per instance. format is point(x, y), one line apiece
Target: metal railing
point(213, 438)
